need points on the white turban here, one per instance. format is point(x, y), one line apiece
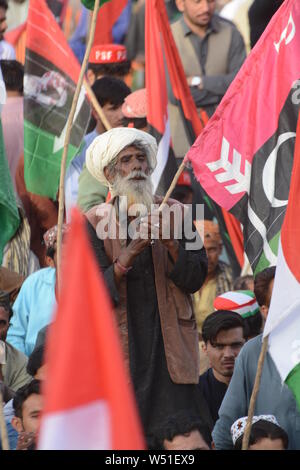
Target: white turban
point(106, 147)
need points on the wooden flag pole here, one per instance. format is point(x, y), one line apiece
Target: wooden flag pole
point(4, 438)
point(96, 105)
point(61, 200)
point(173, 184)
point(260, 364)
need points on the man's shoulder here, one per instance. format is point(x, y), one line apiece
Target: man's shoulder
point(251, 348)
point(44, 275)
point(223, 22)
point(14, 355)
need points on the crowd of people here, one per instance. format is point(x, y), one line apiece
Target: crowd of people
point(190, 329)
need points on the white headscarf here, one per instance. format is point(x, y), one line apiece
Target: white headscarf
point(106, 147)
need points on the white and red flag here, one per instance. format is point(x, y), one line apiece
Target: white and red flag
point(89, 402)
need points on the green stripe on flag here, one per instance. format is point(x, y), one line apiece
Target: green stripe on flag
point(41, 163)
point(90, 3)
point(293, 382)
point(9, 215)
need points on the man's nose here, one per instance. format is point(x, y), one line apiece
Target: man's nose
point(228, 352)
point(136, 165)
point(204, 6)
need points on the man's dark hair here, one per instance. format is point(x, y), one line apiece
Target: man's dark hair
point(13, 75)
point(264, 429)
point(181, 423)
point(219, 321)
point(23, 393)
point(252, 325)
point(50, 251)
point(4, 4)
point(261, 284)
point(36, 360)
point(118, 69)
point(110, 90)
point(5, 303)
point(242, 282)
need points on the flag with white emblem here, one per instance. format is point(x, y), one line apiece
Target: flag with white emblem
point(51, 73)
point(244, 157)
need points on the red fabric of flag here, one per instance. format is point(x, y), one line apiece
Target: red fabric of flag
point(107, 16)
point(84, 357)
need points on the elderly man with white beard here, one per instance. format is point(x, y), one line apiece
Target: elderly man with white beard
point(150, 279)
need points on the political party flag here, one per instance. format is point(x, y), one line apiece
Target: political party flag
point(108, 14)
point(51, 73)
point(166, 82)
point(9, 215)
point(89, 402)
point(244, 156)
point(283, 320)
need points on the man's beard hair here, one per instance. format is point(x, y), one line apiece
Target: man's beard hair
point(136, 192)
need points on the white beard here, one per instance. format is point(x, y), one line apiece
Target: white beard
point(136, 192)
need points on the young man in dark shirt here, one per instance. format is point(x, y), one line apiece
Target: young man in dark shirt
point(223, 336)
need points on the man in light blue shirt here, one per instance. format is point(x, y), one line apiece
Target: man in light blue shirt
point(33, 309)
point(36, 302)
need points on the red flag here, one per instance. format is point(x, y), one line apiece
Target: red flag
point(163, 65)
point(89, 403)
point(243, 159)
point(107, 16)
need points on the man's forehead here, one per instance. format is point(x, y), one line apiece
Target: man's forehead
point(227, 336)
point(131, 150)
point(33, 403)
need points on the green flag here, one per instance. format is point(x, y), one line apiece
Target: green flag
point(9, 215)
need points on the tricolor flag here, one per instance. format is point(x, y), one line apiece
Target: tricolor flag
point(244, 156)
point(51, 73)
point(89, 402)
point(166, 81)
point(283, 320)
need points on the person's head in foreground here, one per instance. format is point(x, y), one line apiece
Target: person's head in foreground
point(183, 431)
point(263, 287)
point(244, 303)
point(223, 336)
point(266, 434)
point(123, 159)
point(28, 405)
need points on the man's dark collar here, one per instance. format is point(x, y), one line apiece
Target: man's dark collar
point(214, 26)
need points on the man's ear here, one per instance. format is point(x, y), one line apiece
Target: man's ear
point(264, 311)
point(108, 175)
point(91, 77)
point(180, 5)
point(204, 347)
point(17, 424)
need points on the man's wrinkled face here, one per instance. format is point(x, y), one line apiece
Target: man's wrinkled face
point(3, 24)
point(113, 113)
point(31, 413)
point(197, 12)
point(4, 323)
point(213, 251)
point(132, 160)
point(223, 351)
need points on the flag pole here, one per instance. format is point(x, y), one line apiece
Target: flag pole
point(61, 200)
point(96, 105)
point(4, 438)
point(260, 364)
point(173, 184)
